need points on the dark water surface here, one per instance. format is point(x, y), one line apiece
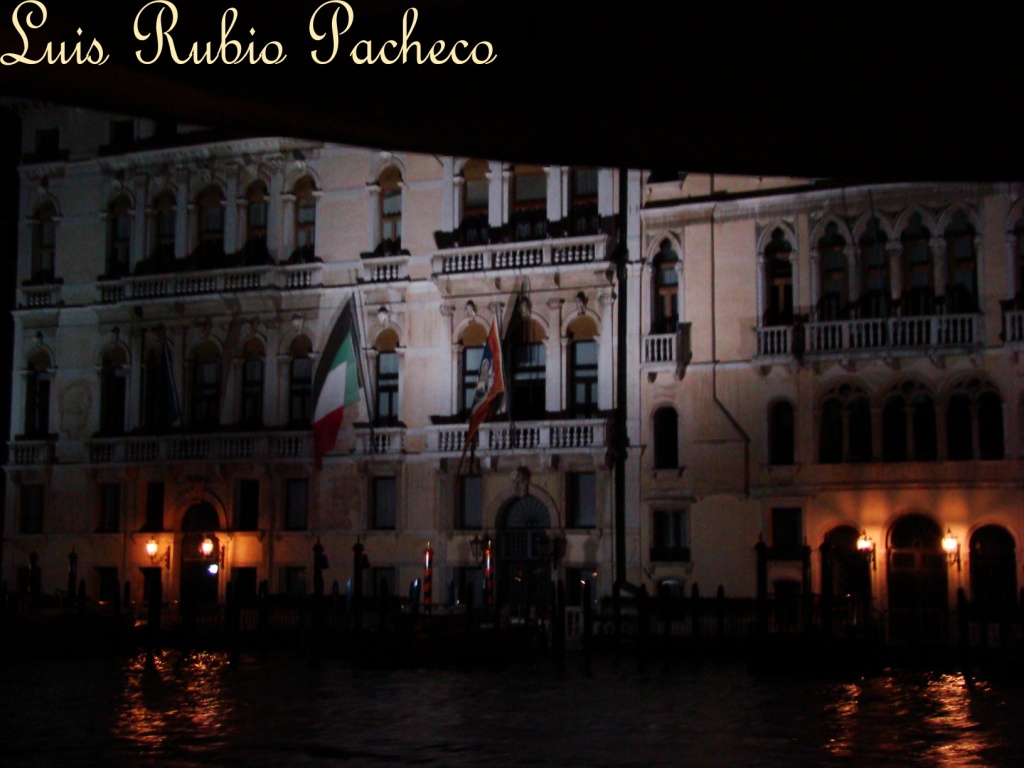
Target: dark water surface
point(202, 710)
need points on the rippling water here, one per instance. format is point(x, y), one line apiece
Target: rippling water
point(202, 710)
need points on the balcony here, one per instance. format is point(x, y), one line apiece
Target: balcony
point(561, 252)
point(221, 447)
point(26, 453)
point(569, 436)
point(385, 441)
point(386, 269)
point(39, 296)
point(893, 335)
point(668, 351)
point(148, 287)
point(1013, 325)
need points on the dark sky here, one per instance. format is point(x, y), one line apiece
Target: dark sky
point(828, 89)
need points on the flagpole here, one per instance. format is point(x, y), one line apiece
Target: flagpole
point(362, 360)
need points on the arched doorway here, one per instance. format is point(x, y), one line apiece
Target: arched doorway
point(918, 586)
point(199, 579)
point(524, 555)
point(993, 573)
point(845, 579)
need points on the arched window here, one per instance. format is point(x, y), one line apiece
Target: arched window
point(528, 357)
point(918, 272)
point(875, 288)
point(475, 190)
point(113, 391)
point(962, 266)
point(390, 236)
point(44, 243)
point(665, 298)
point(583, 215)
point(300, 382)
point(387, 378)
point(119, 236)
point(206, 372)
point(582, 379)
point(834, 276)
point(778, 304)
point(529, 193)
point(160, 403)
point(256, 223)
point(473, 340)
point(165, 222)
point(845, 426)
point(908, 424)
point(37, 395)
point(993, 573)
point(665, 423)
point(781, 433)
point(210, 204)
point(305, 220)
point(974, 422)
point(252, 383)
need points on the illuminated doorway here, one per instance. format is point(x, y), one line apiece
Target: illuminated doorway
point(200, 571)
point(524, 556)
point(918, 581)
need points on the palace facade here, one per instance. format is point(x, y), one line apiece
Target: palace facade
point(821, 380)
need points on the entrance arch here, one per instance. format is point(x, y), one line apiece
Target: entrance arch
point(198, 583)
point(918, 581)
point(524, 555)
point(993, 573)
point(845, 577)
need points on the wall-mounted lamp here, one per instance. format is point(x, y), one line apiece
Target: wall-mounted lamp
point(866, 546)
point(206, 548)
point(152, 548)
point(951, 546)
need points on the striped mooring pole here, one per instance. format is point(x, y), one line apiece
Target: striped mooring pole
point(428, 577)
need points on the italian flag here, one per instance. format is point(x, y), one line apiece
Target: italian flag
point(336, 384)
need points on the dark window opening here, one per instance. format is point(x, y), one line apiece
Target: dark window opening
point(247, 505)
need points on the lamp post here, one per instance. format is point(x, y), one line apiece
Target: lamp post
point(428, 578)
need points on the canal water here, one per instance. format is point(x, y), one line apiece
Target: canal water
point(205, 710)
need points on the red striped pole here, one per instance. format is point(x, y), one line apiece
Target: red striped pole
point(428, 569)
point(488, 575)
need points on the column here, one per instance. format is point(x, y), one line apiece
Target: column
point(893, 252)
point(1013, 278)
point(134, 417)
point(270, 378)
point(451, 202)
point(762, 303)
point(556, 351)
point(373, 233)
point(815, 292)
point(275, 216)
point(853, 271)
point(140, 219)
point(287, 226)
point(937, 246)
point(232, 242)
point(454, 360)
point(182, 223)
point(606, 353)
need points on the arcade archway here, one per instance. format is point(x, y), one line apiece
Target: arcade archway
point(524, 556)
point(918, 581)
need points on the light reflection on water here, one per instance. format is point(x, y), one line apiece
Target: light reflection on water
point(202, 710)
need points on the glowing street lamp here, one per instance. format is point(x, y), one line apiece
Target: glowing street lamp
point(206, 547)
point(951, 546)
point(866, 547)
point(151, 548)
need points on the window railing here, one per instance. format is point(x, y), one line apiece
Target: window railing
point(569, 435)
point(290, 277)
point(226, 447)
point(842, 337)
point(386, 270)
point(668, 351)
point(1014, 322)
point(378, 441)
point(39, 296)
point(522, 255)
point(28, 452)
